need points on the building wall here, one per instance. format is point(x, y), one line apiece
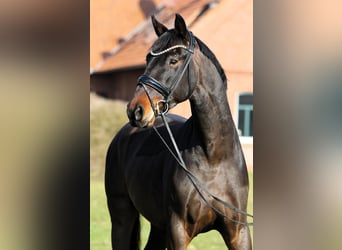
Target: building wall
point(240, 83)
point(116, 85)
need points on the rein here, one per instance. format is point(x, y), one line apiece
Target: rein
point(166, 93)
point(194, 180)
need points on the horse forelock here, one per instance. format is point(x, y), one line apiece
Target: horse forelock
point(166, 40)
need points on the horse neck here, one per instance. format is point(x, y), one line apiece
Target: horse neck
point(212, 116)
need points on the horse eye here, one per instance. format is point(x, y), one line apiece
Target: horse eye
point(173, 61)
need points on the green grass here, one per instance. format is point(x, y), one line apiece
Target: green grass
point(106, 118)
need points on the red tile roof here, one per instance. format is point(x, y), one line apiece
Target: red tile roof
point(227, 29)
point(111, 20)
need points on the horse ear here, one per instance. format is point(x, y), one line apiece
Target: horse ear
point(180, 26)
point(158, 27)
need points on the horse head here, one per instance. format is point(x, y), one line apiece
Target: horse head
point(169, 77)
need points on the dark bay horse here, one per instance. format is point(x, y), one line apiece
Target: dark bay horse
point(142, 176)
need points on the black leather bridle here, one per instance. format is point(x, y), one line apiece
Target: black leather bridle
point(166, 92)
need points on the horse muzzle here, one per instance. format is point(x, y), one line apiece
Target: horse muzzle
point(140, 116)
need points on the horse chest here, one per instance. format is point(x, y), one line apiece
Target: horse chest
point(197, 216)
point(188, 202)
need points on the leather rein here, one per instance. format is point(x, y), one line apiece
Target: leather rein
point(167, 92)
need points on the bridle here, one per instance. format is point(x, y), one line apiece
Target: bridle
point(167, 92)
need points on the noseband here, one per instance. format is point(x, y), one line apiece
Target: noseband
point(161, 88)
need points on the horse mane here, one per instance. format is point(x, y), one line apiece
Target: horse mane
point(210, 55)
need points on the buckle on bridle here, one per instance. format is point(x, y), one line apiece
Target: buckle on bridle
point(165, 107)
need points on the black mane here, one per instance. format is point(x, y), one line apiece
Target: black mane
point(210, 55)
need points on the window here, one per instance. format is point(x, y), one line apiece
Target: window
point(245, 119)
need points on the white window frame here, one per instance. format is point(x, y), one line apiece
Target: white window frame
point(244, 139)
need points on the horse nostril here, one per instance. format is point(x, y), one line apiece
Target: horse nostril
point(138, 113)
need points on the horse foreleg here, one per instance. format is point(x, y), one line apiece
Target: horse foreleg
point(125, 224)
point(156, 239)
point(236, 237)
point(178, 238)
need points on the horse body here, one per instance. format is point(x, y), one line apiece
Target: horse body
point(142, 176)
